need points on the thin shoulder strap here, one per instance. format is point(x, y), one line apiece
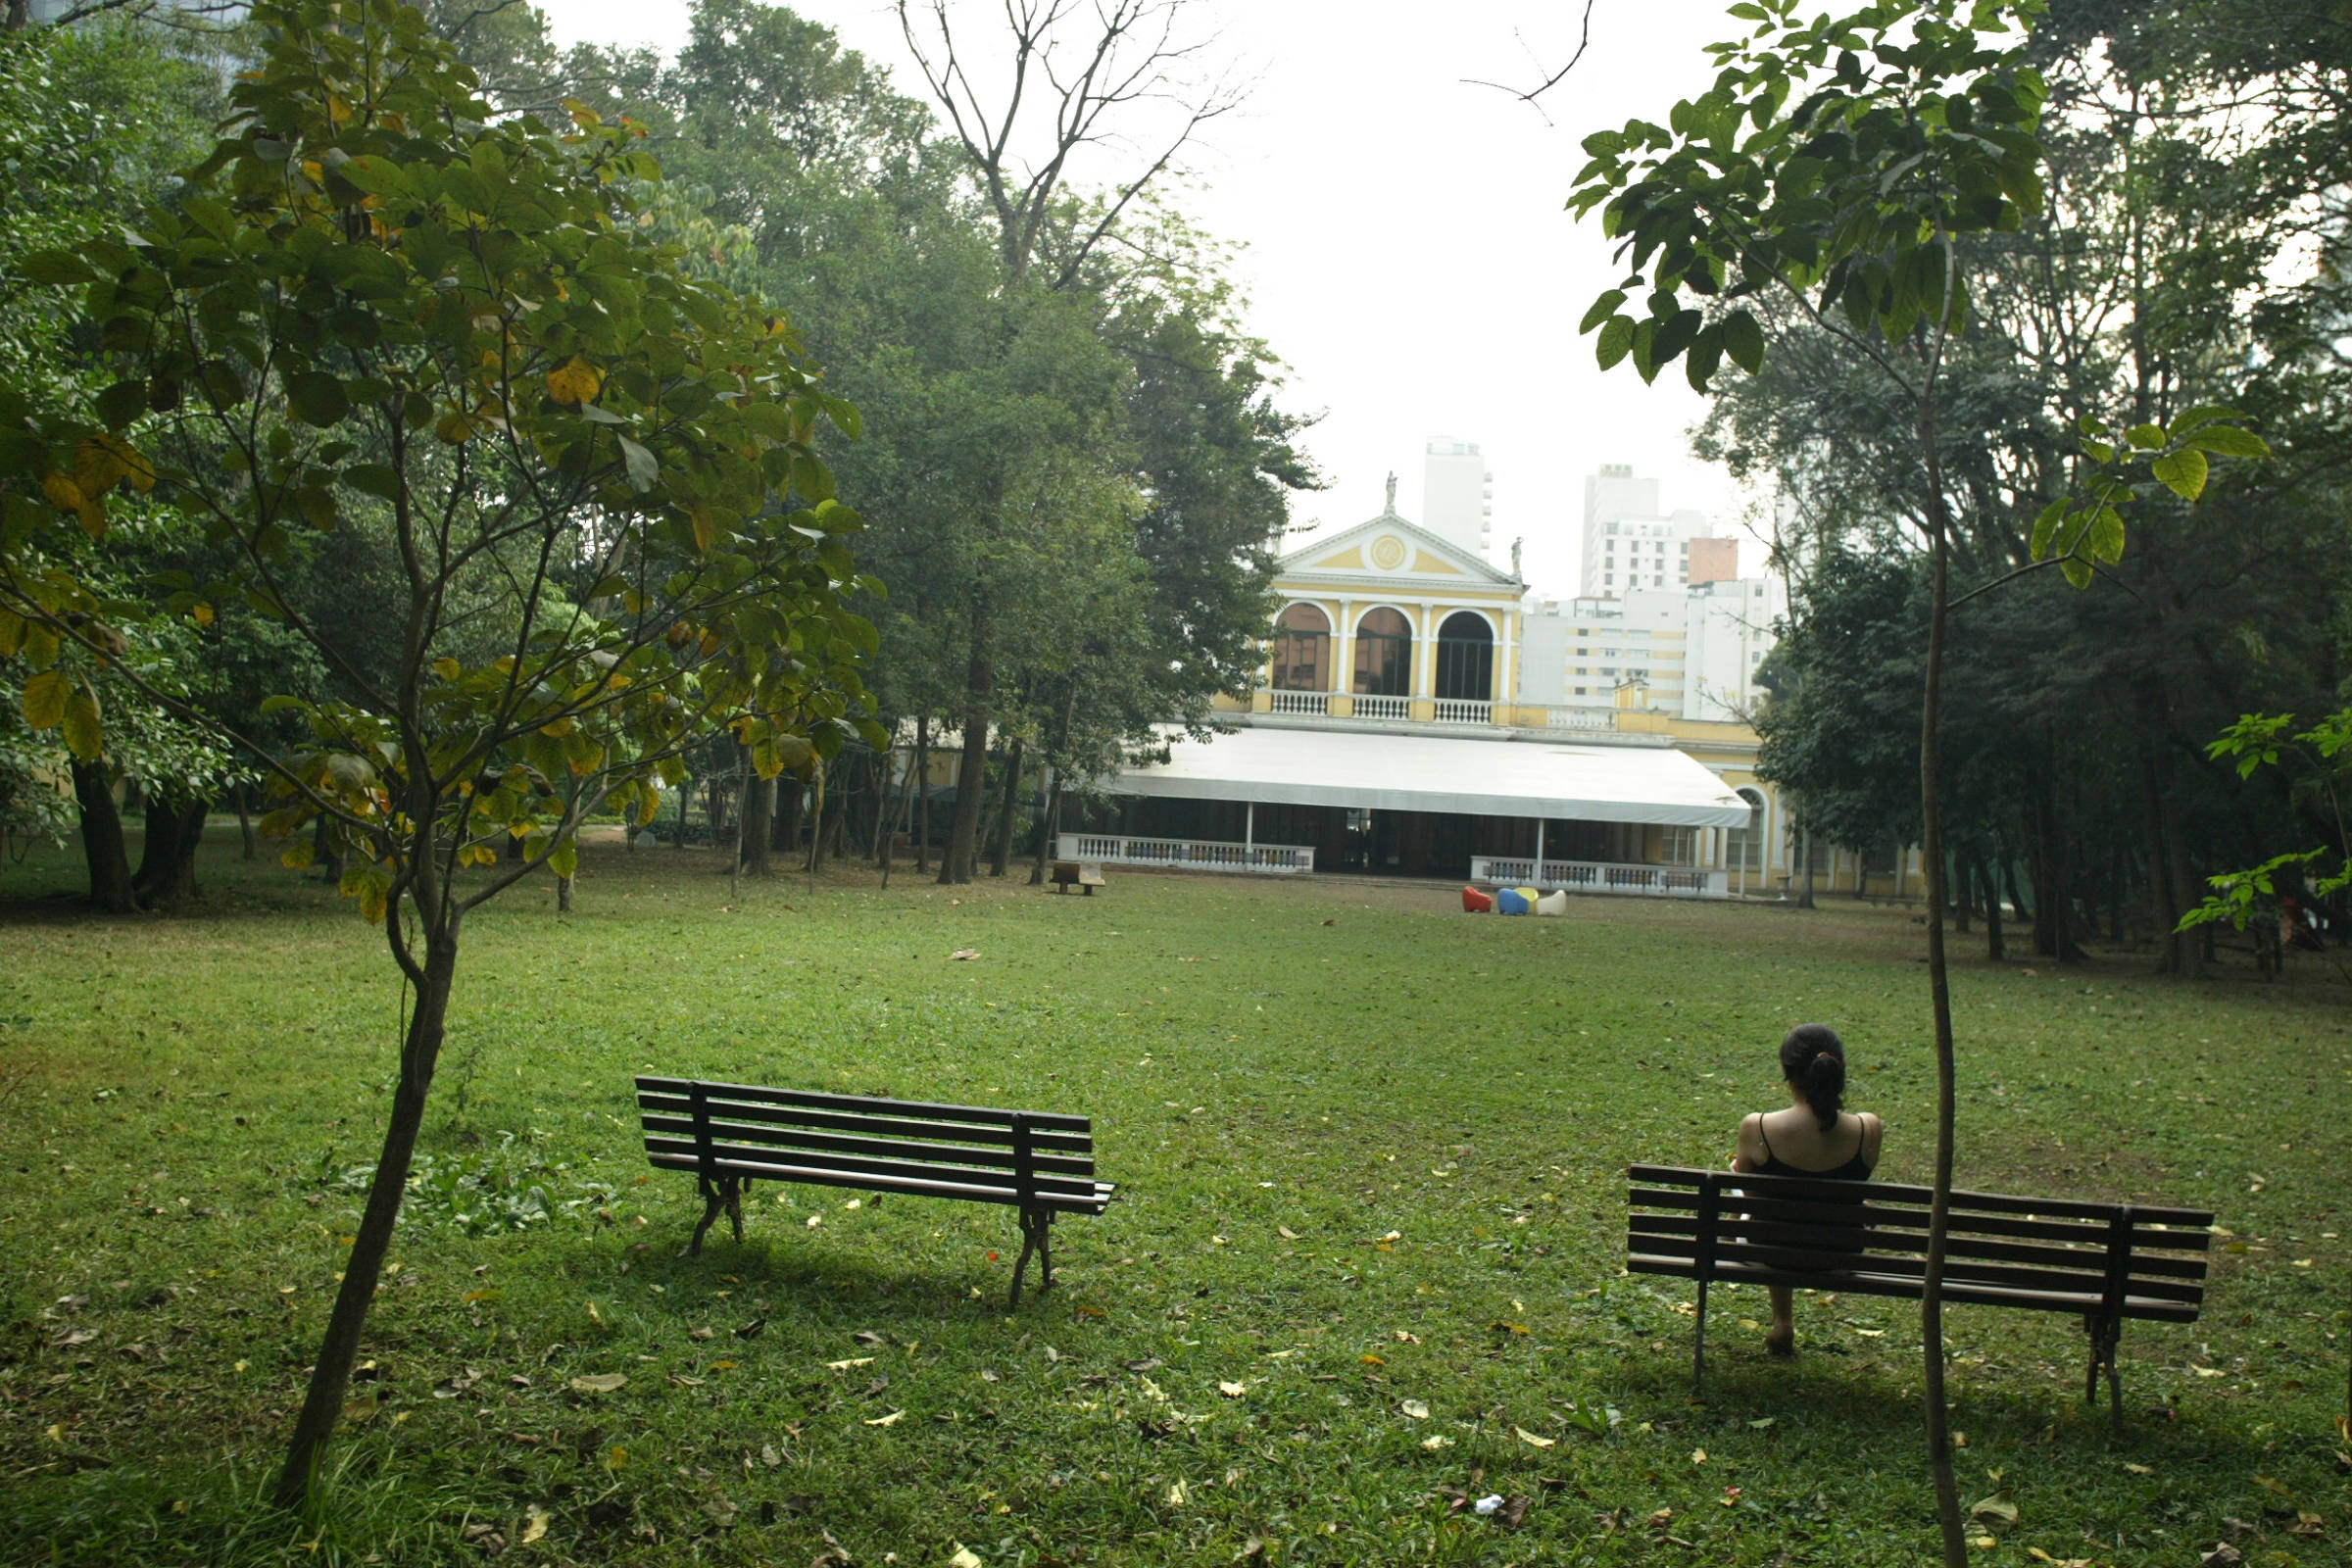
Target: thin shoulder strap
point(1761, 1137)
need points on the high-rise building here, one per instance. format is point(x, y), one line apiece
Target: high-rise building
point(1691, 653)
point(1629, 543)
point(1457, 495)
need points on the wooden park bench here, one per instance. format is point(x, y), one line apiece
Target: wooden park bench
point(731, 1135)
point(1086, 875)
point(2106, 1262)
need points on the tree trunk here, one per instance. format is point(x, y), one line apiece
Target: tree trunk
point(999, 859)
point(955, 863)
point(167, 873)
point(817, 826)
point(679, 841)
point(922, 795)
point(1940, 994)
point(1804, 895)
point(1995, 948)
point(19, 16)
point(241, 798)
point(330, 1375)
point(102, 838)
point(760, 817)
point(1050, 827)
point(788, 829)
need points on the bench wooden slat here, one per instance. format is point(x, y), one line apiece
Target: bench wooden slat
point(2088, 1272)
point(1877, 1214)
point(1891, 1245)
point(890, 1126)
point(2138, 1308)
point(1682, 1177)
point(728, 1128)
point(926, 1110)
point(1093, 1202)
point(877, 1170)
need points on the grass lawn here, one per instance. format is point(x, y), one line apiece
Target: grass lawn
point(1235, 1362)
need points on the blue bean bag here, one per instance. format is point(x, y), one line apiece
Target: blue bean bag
point(1514, 900)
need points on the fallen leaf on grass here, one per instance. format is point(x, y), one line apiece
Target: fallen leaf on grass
point(2039, 1555)
point(2139, 1469)
point(534, 1526)
point(1502, 1327)
point(1531, 1439)
point(1995, 1506)
point(844, 1366)
point(1177, 1495)
point(69, 1340)
point(868, 1337)
point(2273, 1484)
point(600, 1382)
point(965, 1557)
point(1433, 1444)
point(1402, 1338)
point(1233, 1390)
point(965, 954)
point(1370, 1359)
point(889, 1420)
point(1414, 1410)
point(751, 1330)
point(1285, 1233)
point(2224, 1555)
point(1698, 1456)
point(2307, 1523)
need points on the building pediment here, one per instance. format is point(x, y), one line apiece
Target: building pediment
point(1389, 549)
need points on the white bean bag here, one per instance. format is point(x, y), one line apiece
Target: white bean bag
point(1554, 903)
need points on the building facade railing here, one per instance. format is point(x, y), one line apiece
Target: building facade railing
point(1595, 718)
point(1601, 876)
point(1316, 704)
point(1457, 710)
point(1384, 708)
point(1190, 854)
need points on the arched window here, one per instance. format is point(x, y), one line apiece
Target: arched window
point(1744, 847)
point(1383, 654)
point(1466, 657)
point(1302, 650)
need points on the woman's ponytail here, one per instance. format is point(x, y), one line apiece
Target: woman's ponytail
point(1813, 1060)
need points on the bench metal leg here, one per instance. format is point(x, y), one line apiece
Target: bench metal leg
point(725, 1196)
point(1034, 1242)
point(2104, 1333)
point(1699, 1351)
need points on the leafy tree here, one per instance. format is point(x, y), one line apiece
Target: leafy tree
point(379, 305)
point(1914, 124)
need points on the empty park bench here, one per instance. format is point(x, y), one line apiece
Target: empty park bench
point(1086, 875)
point(2105, 1262)
point(731, 1135)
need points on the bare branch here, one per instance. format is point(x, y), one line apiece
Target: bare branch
point(1529, 95)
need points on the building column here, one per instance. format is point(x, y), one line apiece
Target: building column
point(1425, 656)
point(1343, 672)
point(1538, 878)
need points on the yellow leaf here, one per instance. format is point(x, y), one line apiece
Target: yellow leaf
point(85, 733)
point(574, 381)
point(534, 1526)
point(203, 613)
point(889, 1420)
point(454, 427)
point(1373, 1361)
point(1531, 1439)
point(706, 531)
point(1233, 1390)
point(45, 699)
point(63, 492)
point(447, 669)
point(600, 1383)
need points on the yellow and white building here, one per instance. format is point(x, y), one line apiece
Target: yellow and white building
point(1400, 728)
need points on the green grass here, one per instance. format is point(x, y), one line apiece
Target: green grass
point(182, 1102)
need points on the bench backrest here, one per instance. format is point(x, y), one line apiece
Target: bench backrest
point(976, 1152)
point(2115, 1260)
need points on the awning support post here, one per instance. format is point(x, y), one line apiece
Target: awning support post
point(1538, 878)
point(1250, 827)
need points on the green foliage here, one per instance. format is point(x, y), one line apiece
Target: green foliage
point(2320, 758)
point(379, 307)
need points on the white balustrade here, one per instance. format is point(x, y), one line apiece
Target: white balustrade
point(1317, 703)
point(1579, 719)
point(1188, 854)
point(1601, 876)
point(1457, 710)
point(1384, 708)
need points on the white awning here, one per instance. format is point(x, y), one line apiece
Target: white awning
point(1475, 777)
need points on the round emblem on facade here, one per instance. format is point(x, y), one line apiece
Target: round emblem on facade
point(1387, 552)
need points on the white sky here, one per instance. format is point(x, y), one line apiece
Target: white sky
point(1405, 250)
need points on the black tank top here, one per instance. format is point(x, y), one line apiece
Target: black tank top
point(1853, 1170)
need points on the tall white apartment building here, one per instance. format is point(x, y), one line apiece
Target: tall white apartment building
point(1457, 495)
point(1691, 653)
point(1630, 544)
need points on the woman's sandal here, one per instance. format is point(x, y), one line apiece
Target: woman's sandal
point(1780, 1340)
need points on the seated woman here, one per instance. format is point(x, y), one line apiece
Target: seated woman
point(1810, 1137)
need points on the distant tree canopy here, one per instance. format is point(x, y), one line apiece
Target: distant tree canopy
point(2172, 265)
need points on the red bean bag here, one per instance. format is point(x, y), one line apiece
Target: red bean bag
point(1475, 902)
